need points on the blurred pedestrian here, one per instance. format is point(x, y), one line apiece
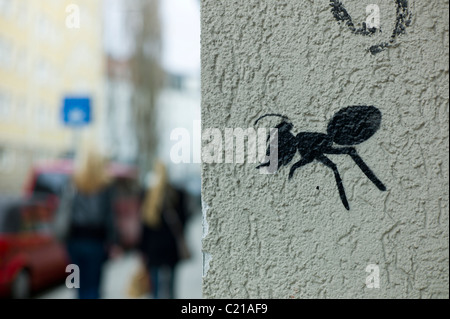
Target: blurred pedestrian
point(162, 242)
point(91, 232)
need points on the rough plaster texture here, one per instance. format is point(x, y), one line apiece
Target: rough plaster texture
point(268, 237)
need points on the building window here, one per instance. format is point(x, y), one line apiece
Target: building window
point(22, 15)
point(21, 111)
point(41, 116)
point(5, 53)
point(41, 71)
point(5, 106)
point(21, 62)
point(6, 160)
point(6, 8)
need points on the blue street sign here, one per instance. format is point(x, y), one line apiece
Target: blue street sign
point(76, 111)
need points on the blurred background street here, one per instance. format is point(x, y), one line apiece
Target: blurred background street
point(84, 83)
point(118, 273)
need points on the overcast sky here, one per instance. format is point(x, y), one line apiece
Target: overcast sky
point(180, 21)
point(181, 35)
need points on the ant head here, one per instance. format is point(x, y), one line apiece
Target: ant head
point(284, 126)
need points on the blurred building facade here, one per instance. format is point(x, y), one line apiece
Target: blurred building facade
point(132, 41)
point(46, 54)
point(120, 138)
point(178, 107)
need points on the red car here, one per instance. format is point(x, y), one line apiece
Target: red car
point(31, 258)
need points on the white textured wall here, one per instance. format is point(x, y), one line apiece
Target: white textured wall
point(269, 237)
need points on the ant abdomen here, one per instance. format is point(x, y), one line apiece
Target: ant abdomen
point(354, 124)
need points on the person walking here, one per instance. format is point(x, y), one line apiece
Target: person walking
point(91, 233)
point(162, 242)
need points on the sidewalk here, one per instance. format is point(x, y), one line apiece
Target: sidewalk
point(118, 272)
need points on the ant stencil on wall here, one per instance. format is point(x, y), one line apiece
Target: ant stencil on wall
point(349, 126)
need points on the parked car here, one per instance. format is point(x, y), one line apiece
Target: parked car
point(47, 179)
point(31, 258)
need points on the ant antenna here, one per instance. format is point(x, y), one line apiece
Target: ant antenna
point(272, 114)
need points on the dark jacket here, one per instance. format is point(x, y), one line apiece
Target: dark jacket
point(93, 216)
point(158, 245)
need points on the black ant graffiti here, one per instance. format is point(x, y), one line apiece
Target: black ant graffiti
point(350, 126)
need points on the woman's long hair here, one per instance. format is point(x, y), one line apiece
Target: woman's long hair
point(155, 196)
point(91, 174)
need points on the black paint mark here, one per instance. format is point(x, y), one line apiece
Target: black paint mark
point(374, 49)
point(350, 126)
point(341, 14)
point(403, 20)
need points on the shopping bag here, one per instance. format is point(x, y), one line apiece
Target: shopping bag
point(140, 283)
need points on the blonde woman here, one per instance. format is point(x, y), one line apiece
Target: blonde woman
point(92, 230)
point(163, 219)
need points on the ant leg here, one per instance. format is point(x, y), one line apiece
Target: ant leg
point(300, 163)
point(359, 161)
point(267, 155)
point(327, 162)
point(263, 165)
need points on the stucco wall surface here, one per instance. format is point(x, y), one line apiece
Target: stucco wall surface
point(266, 236)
